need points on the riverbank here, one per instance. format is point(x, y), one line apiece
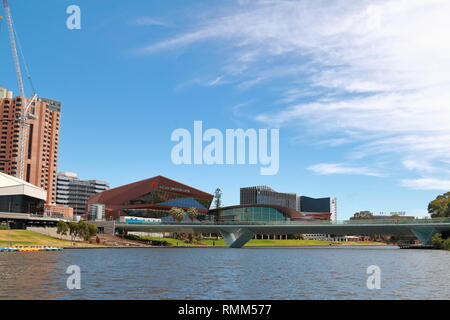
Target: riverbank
point(260, 243)
point(9, 238)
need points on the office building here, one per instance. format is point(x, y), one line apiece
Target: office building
point(151, 198)
point(75, 192)
point(41, 145)
point(266, 195)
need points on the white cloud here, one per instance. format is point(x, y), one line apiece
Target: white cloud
point(427, 184)
point(340, 168)
point(379, 70)
point(418, 165)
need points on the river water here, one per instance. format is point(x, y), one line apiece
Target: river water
point(221, 273)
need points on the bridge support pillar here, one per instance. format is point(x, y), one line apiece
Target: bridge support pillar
point(424, 234)
point(236, 238)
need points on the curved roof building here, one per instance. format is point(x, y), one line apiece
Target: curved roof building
point(152, 197)
point(266, 213)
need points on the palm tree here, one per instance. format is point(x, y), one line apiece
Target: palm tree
point(192, 213)
point(218, 202)
point(177, 214)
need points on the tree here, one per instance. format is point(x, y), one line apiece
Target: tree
point(62, 228)
point(440, 207)
point(73, 230)
point(363, 215)
point(92, 230)
point(192, 213)
point(218, 202)
point(79, 230)
point(177, 214)
point(82, 230)
point(437, 241)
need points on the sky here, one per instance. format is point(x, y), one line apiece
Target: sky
point(359, 90)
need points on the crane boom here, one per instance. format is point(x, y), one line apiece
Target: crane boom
point(25, 115)
point(12, 42)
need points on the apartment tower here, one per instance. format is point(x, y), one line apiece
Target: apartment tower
point(41, 146)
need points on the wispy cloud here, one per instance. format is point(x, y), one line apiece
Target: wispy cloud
point(374, 72)
point(427, 184)
point(340, 168)
point(149, 21)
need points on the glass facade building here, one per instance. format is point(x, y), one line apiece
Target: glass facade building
point(254, 213)
point(19, 203)
point(266, 195)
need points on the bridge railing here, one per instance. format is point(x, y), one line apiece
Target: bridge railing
point(303, 222)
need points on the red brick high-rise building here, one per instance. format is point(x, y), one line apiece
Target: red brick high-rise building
point(41, 148)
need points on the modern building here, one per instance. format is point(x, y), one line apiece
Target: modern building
point(96, 212)
point(310, 208)
point(262, 213)
point(321, 205)
point(75, 192)
point(19, 196)
point(41, 148)
point(152, 198)
point(255, 213)
point(266, 195)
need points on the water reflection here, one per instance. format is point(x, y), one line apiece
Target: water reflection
point(28, 275)
point(219, 273)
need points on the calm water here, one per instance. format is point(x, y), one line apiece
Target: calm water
point(219, 273)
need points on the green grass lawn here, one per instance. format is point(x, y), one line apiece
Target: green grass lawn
point(263, 243)
point(29, 238)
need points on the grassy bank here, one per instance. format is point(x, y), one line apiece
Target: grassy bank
point(264, 243)
point(29, 238)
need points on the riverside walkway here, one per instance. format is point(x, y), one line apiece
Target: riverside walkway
point(238, 233)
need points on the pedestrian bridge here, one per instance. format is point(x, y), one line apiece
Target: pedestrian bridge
point(237, 234)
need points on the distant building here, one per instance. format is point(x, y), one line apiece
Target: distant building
point(266, 195)
point(381, 216)
point(41, 145)
point(58, 210)
point(392, 215)
point(74, 192)
point(307, 204)
point(96, 212)
point(310, 208)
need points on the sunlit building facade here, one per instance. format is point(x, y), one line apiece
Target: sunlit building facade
point(151, 198)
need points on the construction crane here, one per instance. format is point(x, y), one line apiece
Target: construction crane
point(25, 115)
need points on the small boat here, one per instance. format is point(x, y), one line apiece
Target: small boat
point(9, 249)
point(36, 248)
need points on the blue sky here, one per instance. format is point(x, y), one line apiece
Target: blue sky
point(358, 89)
